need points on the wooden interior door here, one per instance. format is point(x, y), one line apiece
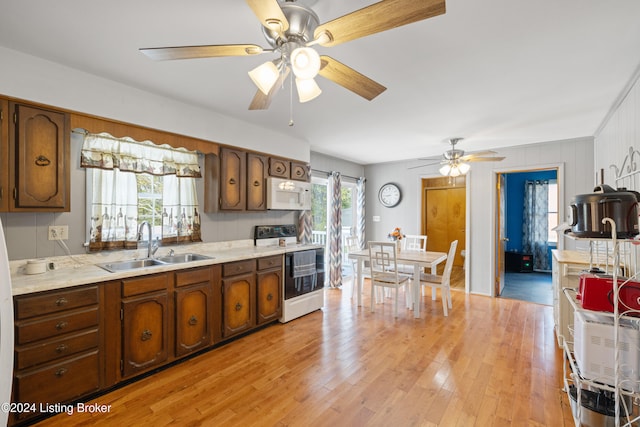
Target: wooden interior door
point(445, 213)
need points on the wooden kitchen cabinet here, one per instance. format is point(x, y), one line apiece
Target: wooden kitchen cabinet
point(238, 297)
point(194, 308)
point(4, 155)
point(58, 350)
point(39, 155)
point(233, 192)
point(256, 179)
point(300, 171)
point(279, 167)
point(269, 289)
point(145, 323)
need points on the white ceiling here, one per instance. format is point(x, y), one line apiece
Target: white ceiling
point(497, 72)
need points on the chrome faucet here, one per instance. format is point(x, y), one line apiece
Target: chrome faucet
point(151, 247)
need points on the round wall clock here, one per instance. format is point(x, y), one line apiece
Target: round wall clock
point(389, 195)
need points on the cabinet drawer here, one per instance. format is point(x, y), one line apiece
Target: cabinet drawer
point(52, 326)
point(60, 382)
point(50, 350)
point(269, 262)
point(193, 276)
point(238, 267)
point(29, 306)
point(143, 285)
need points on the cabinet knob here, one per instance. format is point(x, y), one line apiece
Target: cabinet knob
point(61, 301)
point(232, 181)
point(61, 325)
point(269, 297)
point(60, 372)
point(298, 172)
point(61, 348)
point(256, 183)
point(193, 320)
point(146, 335)
point(238, 306)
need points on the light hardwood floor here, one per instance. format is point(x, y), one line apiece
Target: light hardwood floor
point(492, 362)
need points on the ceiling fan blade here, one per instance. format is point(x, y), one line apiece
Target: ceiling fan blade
point(425, 165)
point(349, 78)
point(382, 16)
point(270, 14)
point(477, 154)
point(484, 159)
point(261, 101)
point(206, 51)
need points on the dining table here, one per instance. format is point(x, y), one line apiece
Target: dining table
point(417, 258)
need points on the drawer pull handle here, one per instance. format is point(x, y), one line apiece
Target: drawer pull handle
point(61, 348)
point(42, 161)
point(269, 297)
point(61, 325)
point(61, 301)
point(193, 320)
point(238, 306)
point(60, 372)
point(146, 335)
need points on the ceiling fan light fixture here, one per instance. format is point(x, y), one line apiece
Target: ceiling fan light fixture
point(308, 89)
point(445, 170)
point(265, 76)
point(305, 62)
point(464, 168)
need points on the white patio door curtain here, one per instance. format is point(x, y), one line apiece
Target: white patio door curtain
point(535, 223)
point(360, 212)
point(334, 238)
point(113, 198)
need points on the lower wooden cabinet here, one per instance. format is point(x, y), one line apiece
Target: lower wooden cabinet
point(58, 353)
point(73, 343)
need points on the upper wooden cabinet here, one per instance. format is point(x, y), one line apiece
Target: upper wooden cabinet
point(279, 167)
point(256, 179)
point(4, 155)
point(233, 166)
point(39, 157)
point(300, 171)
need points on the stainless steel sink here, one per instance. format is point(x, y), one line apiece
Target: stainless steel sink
point(180, 258)
point(130, 265)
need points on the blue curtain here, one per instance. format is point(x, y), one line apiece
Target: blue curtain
point(335, 229)
point(535, 223)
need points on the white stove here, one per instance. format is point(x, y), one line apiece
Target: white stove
point(302, 294)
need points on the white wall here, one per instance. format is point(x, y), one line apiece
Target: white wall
point(33, 79)
point(620, 132)
point(576, 156)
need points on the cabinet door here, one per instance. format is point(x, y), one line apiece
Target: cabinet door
point(268, 298)
point(40, 144)
point(193, 306)
point(299, 171)
point(233, 166)
point(256, 173)
point(238, 309)
point(145, 324)
point(4, 155)
point(279, 167)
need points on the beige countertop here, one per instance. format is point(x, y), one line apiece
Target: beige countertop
point(82, 269)
point(571, 257)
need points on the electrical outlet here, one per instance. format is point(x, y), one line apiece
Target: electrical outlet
point(58, 232)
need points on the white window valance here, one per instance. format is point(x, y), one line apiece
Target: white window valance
point(104, 151)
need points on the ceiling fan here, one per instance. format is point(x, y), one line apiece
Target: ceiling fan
point(455, 162)
point(292, 29)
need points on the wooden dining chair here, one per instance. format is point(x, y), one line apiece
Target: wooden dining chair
point(384, 271)
point(442, 282)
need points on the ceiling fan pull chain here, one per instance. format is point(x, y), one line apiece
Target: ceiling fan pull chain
point(291, 101)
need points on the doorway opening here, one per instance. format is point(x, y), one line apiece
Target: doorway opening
point(528, 211)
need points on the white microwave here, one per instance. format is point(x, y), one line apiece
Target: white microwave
point(288, 194)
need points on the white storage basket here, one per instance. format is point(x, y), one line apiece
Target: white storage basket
point(595, 352)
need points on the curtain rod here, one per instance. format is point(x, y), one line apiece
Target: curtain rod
point(329, 173)
point(133, 141)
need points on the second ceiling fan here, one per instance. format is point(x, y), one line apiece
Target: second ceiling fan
point(455, 162)
point(292, 29)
